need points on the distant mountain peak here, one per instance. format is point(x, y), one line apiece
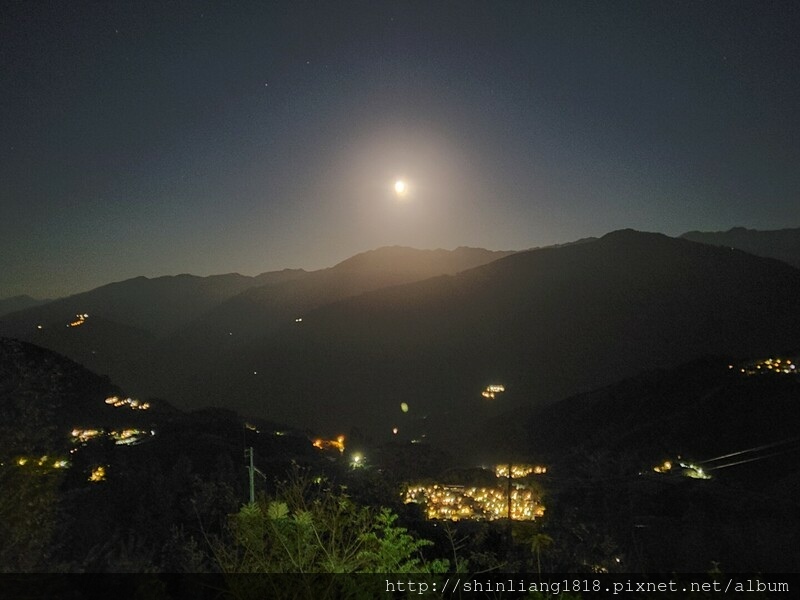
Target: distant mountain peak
point(405, 258)
point(633, 234)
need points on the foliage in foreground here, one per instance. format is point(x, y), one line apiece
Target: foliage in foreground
point(311, 529)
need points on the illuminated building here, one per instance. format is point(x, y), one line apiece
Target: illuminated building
point(683, 468)
point(129, 437)
point(665, 467)
point(84, 435)
point(98, 474)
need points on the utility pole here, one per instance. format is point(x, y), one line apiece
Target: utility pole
point(508, 491)
point(248, 454)
point(252, 470)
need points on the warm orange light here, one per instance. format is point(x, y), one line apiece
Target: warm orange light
point(337, 444)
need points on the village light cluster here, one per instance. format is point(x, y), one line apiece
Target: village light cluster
point(519, 471)
point(777, 366)
point(98, 474)
point(457, 502)
point(683, 468)
point(337, 444)
point(129, 402)
point(124, 437)
point(79, 320)
point(491, 391)
point(42, 461)
point(84, 435)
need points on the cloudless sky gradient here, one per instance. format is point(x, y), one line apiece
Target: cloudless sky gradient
point(151, 138)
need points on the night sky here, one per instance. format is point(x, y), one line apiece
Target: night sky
point(212, 137)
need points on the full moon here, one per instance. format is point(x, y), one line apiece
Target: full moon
point(400, 187)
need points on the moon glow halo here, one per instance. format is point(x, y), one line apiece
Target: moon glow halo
point(400, 188)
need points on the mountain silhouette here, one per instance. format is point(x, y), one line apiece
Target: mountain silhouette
point(783, 244)
point(43, 395)
point(158, 305)
point(347, 346)
point(146, 334)
point(700, 410)
point(701, 452)
point(16, 303)
point(546, 323)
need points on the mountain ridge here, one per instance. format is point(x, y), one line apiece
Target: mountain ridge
point(345, 346)
point(545, 322)
point(17, 303)
point(780, 244)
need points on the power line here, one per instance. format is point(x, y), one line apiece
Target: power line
point(754, 449)
point(747, 460)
